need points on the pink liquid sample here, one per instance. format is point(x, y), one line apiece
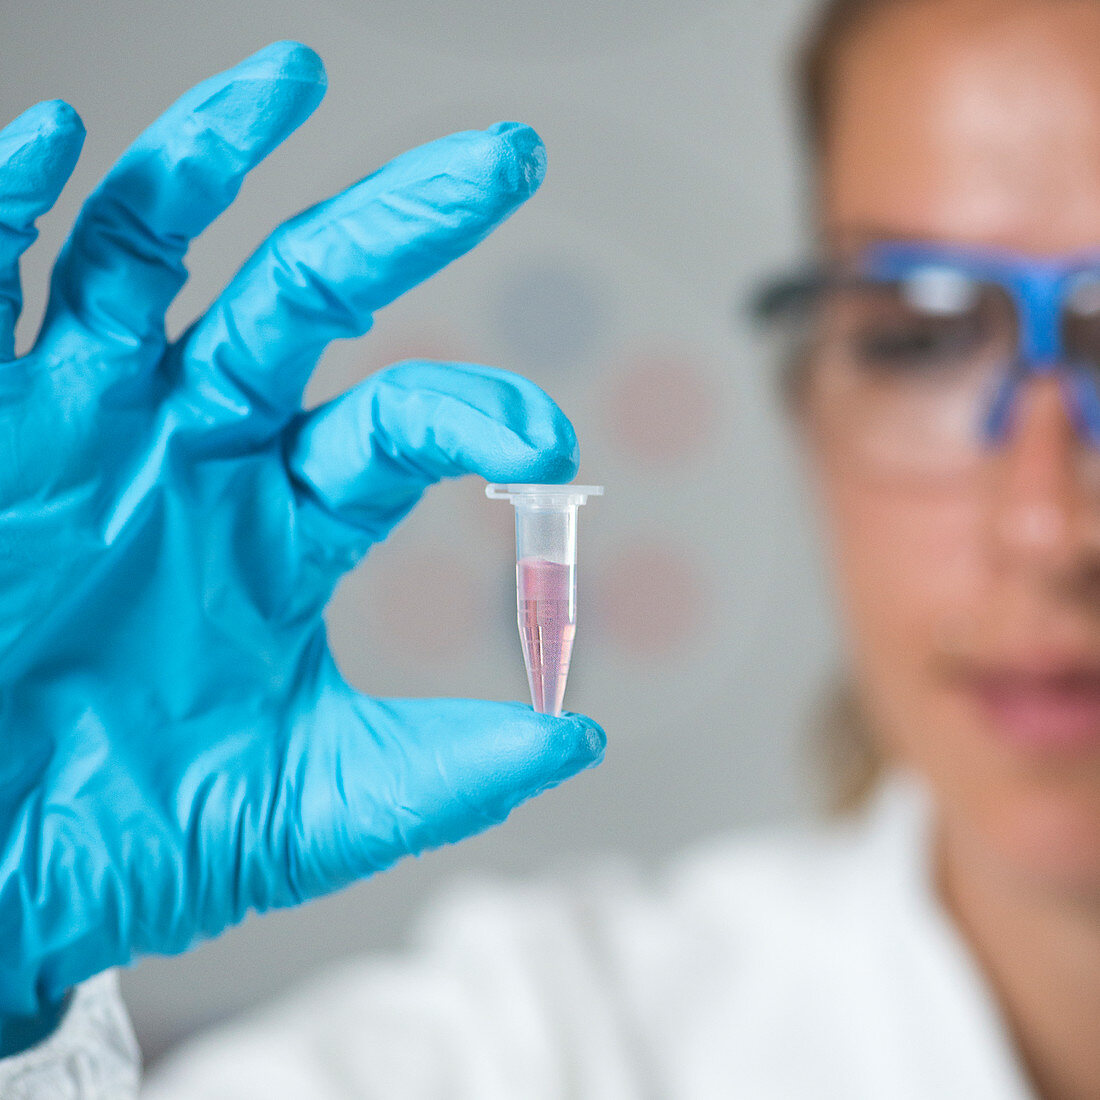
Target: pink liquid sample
point(547, 624)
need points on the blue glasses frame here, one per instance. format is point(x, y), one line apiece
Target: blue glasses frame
point(1037, 287)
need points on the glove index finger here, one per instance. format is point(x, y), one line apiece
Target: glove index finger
point(325, 273)
point(368, 455)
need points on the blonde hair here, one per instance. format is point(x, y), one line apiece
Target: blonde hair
point(846, 751)
point(844, 745)
point(836, 21)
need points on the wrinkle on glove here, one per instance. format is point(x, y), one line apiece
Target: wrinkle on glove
point(177, 746)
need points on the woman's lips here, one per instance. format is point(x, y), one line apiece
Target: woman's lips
point(1042, 710)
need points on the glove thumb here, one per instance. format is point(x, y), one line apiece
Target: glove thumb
point(401, 776)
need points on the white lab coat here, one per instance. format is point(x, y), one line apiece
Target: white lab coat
point(807, 965)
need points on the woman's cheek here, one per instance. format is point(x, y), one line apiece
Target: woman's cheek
point(909, 571)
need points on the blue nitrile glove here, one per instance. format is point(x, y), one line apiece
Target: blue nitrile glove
point(177, 746)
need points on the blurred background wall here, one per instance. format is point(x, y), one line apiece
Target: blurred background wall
point(704, 635)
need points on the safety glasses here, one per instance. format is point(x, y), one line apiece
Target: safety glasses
point(915, 354)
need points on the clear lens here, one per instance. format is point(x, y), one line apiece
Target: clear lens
point(1081, 347)
point(902, 374)
point(1081, 389)
point(1081, 323)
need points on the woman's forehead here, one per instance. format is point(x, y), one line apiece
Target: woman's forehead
point(855, 240)
point(969, 120)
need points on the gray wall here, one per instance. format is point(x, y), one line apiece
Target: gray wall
point(704, 635)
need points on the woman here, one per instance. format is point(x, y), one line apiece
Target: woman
point(944, 940)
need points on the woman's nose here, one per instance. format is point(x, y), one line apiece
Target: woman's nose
point(1042, 507)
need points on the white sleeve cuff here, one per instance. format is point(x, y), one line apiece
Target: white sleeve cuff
point(91, 1056)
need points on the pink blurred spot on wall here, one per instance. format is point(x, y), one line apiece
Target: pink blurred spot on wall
point(662, 406)
point(648, 600)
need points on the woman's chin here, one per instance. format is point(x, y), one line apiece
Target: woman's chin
point(1026, 808)
point(1042, 834)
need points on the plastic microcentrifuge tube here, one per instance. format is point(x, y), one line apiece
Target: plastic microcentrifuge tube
point(546, 581)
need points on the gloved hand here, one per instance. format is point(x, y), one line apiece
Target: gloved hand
point(177, 746)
